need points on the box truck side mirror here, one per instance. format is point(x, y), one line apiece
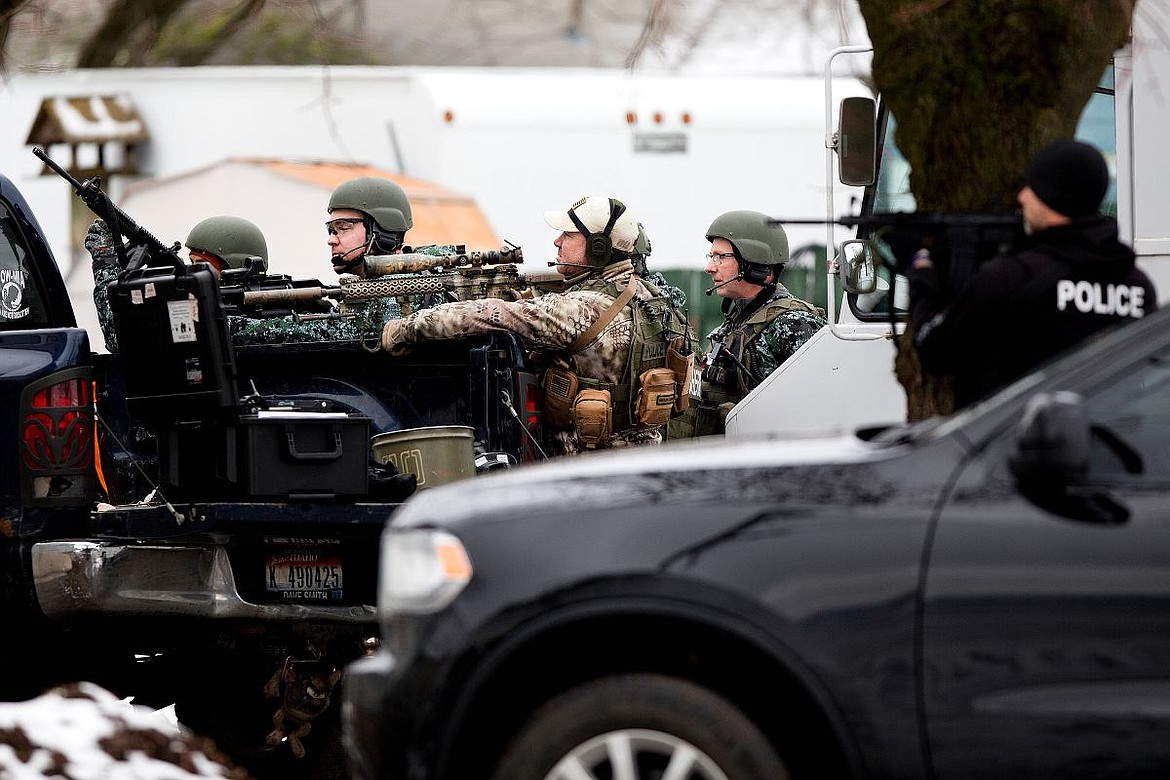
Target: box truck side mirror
point(857, 141)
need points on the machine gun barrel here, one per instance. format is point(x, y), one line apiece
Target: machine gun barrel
point(143, 245)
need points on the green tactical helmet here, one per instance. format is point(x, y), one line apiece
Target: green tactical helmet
point(382, 199)
point(642, 243)
point(754, 236)
point(232, 239)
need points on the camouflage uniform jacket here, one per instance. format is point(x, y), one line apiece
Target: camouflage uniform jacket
point(677, 297)
point(358, 321)
point(366, 321)
point(548, 325)
point(761, 337)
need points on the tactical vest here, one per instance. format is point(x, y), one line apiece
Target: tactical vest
point(655, 322)
point(706, 417)
point(726, 381)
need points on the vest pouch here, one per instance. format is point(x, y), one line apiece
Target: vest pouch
point(656, 397)
point(683, 368)
point(593, 417)
point(560, 388)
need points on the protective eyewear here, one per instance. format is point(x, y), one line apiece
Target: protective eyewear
point(718, 257)
point(342, 225)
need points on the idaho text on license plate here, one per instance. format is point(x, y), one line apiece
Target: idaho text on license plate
point(304, 569)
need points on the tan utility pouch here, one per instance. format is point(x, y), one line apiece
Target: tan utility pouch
point(656, 393)
point(560, 388)
point(593, 417)
point(683, 368)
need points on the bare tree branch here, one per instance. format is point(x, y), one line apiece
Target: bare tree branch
point(656, 22)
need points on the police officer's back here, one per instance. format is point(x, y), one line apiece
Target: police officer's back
point(1068, 278)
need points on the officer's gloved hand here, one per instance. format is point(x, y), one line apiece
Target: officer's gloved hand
point(392, 339)
point(99, 242)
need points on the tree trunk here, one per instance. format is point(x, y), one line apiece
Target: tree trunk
point(199, 49)
point(978, 88)
point(128, 33)
point(8, 10)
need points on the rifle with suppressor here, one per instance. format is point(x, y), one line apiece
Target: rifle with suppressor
point(140, 248)
point(404, 276)
point(411, 263)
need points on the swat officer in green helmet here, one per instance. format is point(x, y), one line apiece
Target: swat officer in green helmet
point(226, 242)
point(367, 216)
point(764, 324)
point(222, 242)
point(639, 256)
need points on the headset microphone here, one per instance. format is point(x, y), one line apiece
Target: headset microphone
point(553, 264)
point(735, 278)
point(339, 260)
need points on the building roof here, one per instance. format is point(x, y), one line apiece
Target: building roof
point(440, 215)
point(87, 119)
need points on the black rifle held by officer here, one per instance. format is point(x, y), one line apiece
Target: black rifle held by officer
point(960, 239)
point(136, 246)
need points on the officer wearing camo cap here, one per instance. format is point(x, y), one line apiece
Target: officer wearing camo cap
point(589, 337)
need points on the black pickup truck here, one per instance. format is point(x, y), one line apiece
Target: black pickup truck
point(239, 587)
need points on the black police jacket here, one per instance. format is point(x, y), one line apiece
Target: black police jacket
point(1020, 309)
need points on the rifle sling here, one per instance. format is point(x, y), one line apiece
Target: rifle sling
point(606, 317)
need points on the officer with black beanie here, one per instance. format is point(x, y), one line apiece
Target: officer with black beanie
point(1068, 278)
point(1070, 177)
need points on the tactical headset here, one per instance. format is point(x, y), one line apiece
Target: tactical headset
point(754, 273)
point(599, 246)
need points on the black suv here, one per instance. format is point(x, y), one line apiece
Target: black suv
point(986, 595)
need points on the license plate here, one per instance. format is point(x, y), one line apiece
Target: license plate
point(304, 573)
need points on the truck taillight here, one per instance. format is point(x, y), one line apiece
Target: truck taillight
point(532, 405)
point(57, 440)
point(533, 420)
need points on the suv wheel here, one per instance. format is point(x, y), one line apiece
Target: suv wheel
point(640, 726)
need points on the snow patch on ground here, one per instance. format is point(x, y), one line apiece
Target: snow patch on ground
point(83, 732)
